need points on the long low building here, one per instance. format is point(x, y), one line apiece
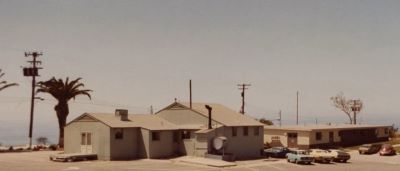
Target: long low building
point(323, 136)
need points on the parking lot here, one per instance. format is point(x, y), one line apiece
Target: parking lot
point(39, 161)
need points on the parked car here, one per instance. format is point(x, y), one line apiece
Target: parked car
point(322, 156)
point(299, 156)
point(369, 148)
point(339, 155)
point(277, 152)
point(387, 149)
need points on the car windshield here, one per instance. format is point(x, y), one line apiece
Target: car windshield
point(302, 152)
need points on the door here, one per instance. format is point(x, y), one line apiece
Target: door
point(86, 142)
point(331, 137)
point(292, 140)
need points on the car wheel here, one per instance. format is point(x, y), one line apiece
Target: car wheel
point(344, 161)
point(288, 160)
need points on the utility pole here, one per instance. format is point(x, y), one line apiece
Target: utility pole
point(280, 118)
point(297, 108)
point(151, 109)
point(243, 87)
point(190, 93)
point(356, 108)
point(33, 72)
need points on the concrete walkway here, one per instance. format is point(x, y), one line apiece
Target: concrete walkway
point(205, 161)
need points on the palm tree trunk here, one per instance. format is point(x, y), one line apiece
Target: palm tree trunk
point(62, 112)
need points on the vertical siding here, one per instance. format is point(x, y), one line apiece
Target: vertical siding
point(143, 143)
point(126, 148)
point(303, 137)
point(244, 147)
point(163, 147)
point(325, 136)
point(100, 138)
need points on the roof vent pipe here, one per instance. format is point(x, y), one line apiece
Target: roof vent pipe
point(122, 113)
point(209, 108)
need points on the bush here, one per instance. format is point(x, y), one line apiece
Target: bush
point(53, 147)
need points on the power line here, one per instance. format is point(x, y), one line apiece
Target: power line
point(243, 87)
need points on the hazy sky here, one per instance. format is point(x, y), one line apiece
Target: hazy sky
point(134, 54)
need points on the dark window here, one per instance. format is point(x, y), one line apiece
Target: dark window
point(234, 131)
point(386, 131)
point(175, 136)
point(83, 138)
point(318, 136)
point(185, 134)
point(256, 131)
point(155, 136)
point(245, 131)
point(119, 134)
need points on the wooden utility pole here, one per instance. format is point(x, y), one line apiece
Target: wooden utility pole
point(297, 108)
point(190, 93)
point(33, 72)
point(243, 87)
point(151, 109)
point(280, 118)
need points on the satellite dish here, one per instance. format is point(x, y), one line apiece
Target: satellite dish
point(219, 142)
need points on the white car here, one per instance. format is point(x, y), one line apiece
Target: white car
point(339, 155)
point(322, 156)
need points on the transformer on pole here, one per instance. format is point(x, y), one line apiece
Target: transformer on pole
point(32, 71)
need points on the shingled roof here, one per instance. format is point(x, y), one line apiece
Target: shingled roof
point(147, 121)
point(220, 114)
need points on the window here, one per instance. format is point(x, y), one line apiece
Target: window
point(386, 131)
point(175, 136)
point(256, 131)
point(155, 136)
point(86, 138)
point(89, 139)
point(245, 131)
point(234, 131)
point(83, 138)
point(119, 134)
point(185, 134)
point(318, 136)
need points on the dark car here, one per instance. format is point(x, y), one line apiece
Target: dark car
point(277, 152)
point(369, 148)
point(387, 149)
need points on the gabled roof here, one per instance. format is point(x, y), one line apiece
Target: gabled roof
point(146, 121)
point(220, 114)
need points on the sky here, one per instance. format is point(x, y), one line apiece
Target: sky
point(134, 54)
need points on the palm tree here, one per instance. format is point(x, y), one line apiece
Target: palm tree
point(4, 84)
point(63, 92)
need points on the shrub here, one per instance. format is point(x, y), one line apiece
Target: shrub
point(53, 147)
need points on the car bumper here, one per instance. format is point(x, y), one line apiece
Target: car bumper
point(323, 159)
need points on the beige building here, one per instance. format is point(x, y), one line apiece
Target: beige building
point(323, 136)
point(175, 130)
